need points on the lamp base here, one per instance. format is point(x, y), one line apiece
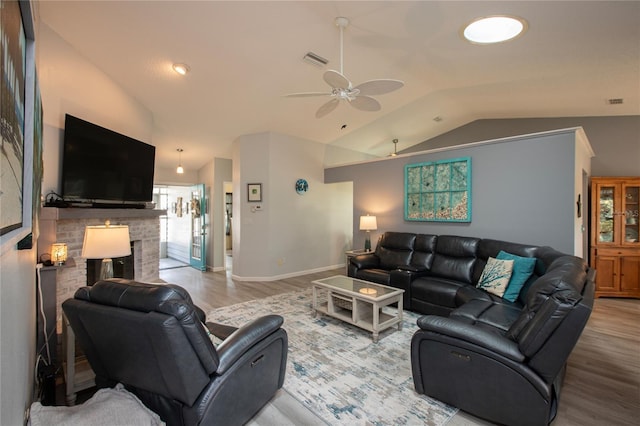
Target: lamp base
point(367, 243)
point(106, 270)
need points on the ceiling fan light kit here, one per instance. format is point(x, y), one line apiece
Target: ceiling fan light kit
point(359, 97)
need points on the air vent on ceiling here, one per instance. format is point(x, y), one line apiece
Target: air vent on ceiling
point(315, 59)
point(615, 101)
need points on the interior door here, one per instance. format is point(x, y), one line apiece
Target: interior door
point(197, 253)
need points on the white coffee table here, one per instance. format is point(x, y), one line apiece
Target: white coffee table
point(357, 302)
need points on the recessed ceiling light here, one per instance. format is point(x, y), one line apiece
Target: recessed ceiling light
point(494, 29)
point(181, 69)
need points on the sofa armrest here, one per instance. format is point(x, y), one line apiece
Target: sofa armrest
point(365, 261)
point(418, 270)
point(240, 341)
point(457, 329)
point(401, 278)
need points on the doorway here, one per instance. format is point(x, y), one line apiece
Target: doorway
point(228, 229)
point(175, 226)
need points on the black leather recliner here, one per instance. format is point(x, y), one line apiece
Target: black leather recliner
point(512, 376)
point(153, 339)
point(393, 250)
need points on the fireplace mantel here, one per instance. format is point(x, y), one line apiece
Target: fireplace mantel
point(56, 213)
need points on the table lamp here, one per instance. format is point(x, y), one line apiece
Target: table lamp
point(59, 253)
point(106, 242)
point(368, 223)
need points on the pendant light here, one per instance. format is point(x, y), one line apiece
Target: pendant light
point(180, 169)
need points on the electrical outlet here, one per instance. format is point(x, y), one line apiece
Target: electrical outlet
point(281, 261)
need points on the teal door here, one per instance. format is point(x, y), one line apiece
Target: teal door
point(197, 254)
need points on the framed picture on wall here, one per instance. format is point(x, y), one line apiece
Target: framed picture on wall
point(12, 92)
point(254, 192)
point(438, 191)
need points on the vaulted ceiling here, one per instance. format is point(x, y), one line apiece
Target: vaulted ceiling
point(244, 56)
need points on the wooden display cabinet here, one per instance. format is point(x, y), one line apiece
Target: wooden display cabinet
point(615, 225)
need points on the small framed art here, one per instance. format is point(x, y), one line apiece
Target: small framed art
point(254, 192)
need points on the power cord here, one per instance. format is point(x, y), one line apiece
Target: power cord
point(53, 199)
point(44, 317)
point(44, 370)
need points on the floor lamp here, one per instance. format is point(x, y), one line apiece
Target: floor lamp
point(368, 223)
point(106, 242)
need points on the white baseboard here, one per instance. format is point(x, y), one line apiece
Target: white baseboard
point(289, 275)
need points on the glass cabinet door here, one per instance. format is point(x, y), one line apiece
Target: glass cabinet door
point(606, 214)
point(630, 226)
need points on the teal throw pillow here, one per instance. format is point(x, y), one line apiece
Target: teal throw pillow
point(495, 276)
point(522, 270)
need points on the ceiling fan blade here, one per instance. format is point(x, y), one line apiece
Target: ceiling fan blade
point(307, 94)
point(327, 108)
point(379, 87)
point(365, 103)
point(336, 80)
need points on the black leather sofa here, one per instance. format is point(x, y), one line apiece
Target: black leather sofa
point(500, 360)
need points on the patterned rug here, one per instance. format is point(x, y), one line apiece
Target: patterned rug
point(336, 370)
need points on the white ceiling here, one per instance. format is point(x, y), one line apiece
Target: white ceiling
point(245, 55)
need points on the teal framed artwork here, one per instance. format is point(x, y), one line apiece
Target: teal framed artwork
point(438, 191)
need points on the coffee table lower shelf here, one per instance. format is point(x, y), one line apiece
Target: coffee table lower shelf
point(363, 311)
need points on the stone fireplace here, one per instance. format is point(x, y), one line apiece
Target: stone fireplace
point(66, 225)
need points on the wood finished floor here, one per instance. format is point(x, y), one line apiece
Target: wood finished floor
point(602, 384)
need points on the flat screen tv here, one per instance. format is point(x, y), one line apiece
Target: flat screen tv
point(102, 166)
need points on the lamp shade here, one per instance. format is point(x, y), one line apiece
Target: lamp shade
point(368, 223)
point(59, 253)
point(101, 242)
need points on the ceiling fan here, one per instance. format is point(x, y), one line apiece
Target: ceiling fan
point(358, 97)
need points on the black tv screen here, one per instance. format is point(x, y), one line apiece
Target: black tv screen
point(101, 165)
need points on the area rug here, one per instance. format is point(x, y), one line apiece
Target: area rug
point(337, 372)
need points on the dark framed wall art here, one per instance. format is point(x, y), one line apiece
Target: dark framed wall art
point(12, 95)
point(20, 129)
point(438, 191)
point(254, 192)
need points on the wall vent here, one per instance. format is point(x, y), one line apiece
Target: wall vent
point(315, 59)
point(615, 101)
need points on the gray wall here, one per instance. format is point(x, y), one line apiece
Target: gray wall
point(522, 191)
point(290, 234)
point(615, 139)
